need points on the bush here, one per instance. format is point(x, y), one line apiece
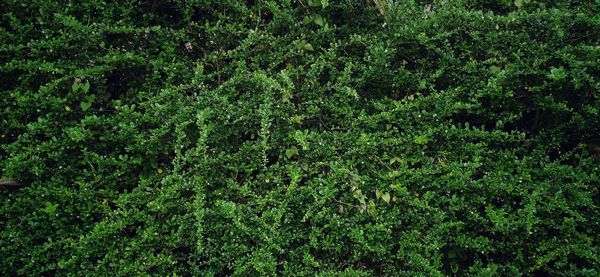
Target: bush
point(300, 137)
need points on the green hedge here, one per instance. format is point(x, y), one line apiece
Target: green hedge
point(252, 138)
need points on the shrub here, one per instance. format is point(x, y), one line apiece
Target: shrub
point(300, 137)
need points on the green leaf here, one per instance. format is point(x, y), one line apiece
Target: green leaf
point(85, 106)
point(421, 140)
point(314, 3)
point(289, 153)
point(454, 267)
point(75, 86)
point(304, 166)
point(297, 119)
point(519, 3)
point(85, 87)
point(372, 210)
point(557, 73)
point(50, 208)
point(307, 20)
point(378, 194)
point(395, 160)
point(309, 47)
point(386, 197)
point(318, 19)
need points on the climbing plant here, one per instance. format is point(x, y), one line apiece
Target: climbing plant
point(250, 138)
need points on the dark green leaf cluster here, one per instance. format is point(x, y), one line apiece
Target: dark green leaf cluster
point(300, 137)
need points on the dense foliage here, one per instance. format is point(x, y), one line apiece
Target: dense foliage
point(251, 138)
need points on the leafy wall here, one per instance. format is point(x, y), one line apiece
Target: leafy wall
point(251, 138)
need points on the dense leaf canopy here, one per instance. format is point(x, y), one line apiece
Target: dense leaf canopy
point(300, 137)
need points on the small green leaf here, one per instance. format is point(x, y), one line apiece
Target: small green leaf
point(378, 194)
point(557, 73)
point(85, 106)
point(421, 140)
point(50, 208)
point(314, 3)
point(319, 20)
point(289, 153)
point(75, 86)
point(386, 197)
point(85, 87)
point(297, 119)
point(495, 69)
point(309, 47)
point(454, 267)
point(519, 3)
point(372, 210)
point(395, 160)
point(307, 20)
point(394, 173)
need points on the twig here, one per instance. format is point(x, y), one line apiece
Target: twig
point(382, 163)
point(323, 123)
point(343, 203)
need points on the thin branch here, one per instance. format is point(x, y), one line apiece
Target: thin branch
point(343, 203)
